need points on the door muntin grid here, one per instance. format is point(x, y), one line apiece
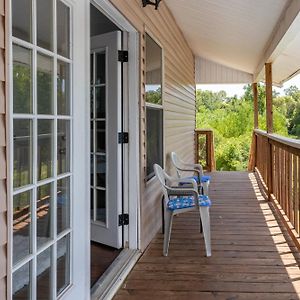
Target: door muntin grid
point(42, 140)
point(98, 136)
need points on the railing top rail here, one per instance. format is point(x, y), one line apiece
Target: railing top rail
point(203, 130)
point(280, 139)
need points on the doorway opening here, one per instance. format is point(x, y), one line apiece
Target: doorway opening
point(106, 153)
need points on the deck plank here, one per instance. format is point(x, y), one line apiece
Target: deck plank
point(252, 255)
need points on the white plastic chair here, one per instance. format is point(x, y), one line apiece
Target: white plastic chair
point(180, 166)
point(178, 200)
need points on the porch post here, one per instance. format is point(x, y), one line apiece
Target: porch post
point(255, 104)
point(269, 113)
point(269, 95)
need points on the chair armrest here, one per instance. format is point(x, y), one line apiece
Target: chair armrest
point(199, 173)
point(191, 181)
point(183, 192)
point(192, 168)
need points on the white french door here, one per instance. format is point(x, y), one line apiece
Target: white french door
point(49, 242)
point(106, 157)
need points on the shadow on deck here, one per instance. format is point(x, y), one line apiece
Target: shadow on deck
point(252, 255)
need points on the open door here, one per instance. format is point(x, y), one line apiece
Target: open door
point(106, 156)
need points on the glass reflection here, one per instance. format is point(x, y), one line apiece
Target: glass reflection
point(44, 24)
point(44, 84)
point(92, 170)
point(21, 283)
point(43, 284)
point(100, 102)
point(22, 152)
point(63, 263)
point(101, 206)
point(21, 226)
point(100, 68)
point(153, 71)
point(92, 68)
point(63, 88)
point(21, 19)
point(45, 149)
point(63, 204)
point(92, 204)
point(63, 146)
point(22, 80)
point(154, 138)
point(44, 213)
point(63, 29)
point(101, 170)
point(100, 137)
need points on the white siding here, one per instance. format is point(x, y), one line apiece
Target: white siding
point(207, 71)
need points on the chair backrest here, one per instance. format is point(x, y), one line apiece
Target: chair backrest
point(176, 163)
point(182, 166)
point(162, 177)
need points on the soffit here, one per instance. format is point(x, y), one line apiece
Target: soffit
point(234, 33)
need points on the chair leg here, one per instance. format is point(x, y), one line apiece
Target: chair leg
point(163, 215)
point(205, 219)
point(167, 233)
point(200, 225)
point(205, 188)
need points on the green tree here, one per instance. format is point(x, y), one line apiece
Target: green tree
point(231, 119)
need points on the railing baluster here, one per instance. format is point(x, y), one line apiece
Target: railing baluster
point(298, 194)
point(277, 159)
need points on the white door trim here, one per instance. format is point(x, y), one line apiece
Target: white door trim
point(132, 174)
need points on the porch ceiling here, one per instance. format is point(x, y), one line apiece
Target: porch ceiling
point(238, 34)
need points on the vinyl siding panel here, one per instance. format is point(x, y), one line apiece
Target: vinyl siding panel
point(3, 194)
point(208, 71)
point(178, 97)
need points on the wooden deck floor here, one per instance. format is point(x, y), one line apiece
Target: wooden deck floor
point(252, 256)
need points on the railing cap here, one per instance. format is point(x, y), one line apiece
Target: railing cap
point(279, 138)
point(203, 130)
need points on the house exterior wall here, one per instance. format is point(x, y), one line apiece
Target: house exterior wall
point(3, 194)
point(178, 100)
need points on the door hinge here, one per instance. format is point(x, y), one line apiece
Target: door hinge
point(123, 56)
point(123, 219)
point(123, 137)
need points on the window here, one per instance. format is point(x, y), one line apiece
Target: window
point(154, 108)
point(42, 169)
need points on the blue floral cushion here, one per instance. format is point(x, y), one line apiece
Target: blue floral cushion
point(176, 202)
point(204, 179)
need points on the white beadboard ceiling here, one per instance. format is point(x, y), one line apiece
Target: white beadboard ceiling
point(239, 33)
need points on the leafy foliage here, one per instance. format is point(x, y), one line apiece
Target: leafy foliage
point(231, 118)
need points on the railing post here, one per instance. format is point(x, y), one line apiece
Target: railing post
point(269, 114)
point(209, 148)
point(208, 155)
point(212, 152)
point(197, 147)
point(255, 104)
point(253, 153)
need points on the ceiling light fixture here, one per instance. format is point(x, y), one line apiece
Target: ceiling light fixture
point(155, 3)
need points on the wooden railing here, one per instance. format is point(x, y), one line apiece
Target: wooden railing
point(276, 160)
point(205, 152)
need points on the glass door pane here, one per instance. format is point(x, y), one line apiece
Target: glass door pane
point(98, 136)
point(42, 136)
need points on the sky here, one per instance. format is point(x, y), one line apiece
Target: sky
point(237, 89)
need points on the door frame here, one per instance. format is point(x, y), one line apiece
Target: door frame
point(131, 83)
